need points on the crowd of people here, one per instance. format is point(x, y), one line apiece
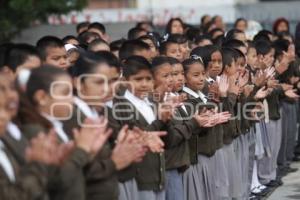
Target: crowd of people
point(199, 113)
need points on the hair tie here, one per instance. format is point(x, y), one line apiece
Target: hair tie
point(196, 57)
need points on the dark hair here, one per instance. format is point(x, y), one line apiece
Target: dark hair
point(140, 24)
point(238, 54)
point(18, 54)
point(85, 36)
point(192, 33)
point(86, 63)
point(234, 44)
point(134, 64)
point(263, 47)
point(188, 62)
point(69, 37)
point(231, 35)
point(200, 38)
point(158, 61)
point(129, 47)
point(228, 56)
point(48, 42)
point(212, 32)
point(169, 24)
point(152, 38)
point(205, 53)
point(4, 49)
point(98, 26)
point(281, 45)
point(82, 25)
point(97, 42)
point(133, 33)
point(41, 78)
point(218, 41)
point(238, 20)
point(173, 61)
point(164, 46)
point(263, 35)
point(116, 45)
point(178, 38)
point(203, 18)
point(277, 22)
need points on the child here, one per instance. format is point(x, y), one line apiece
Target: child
point(182, 40)
point(135, 33)
point(49, 92)
point(53, 52)
point(134, 47)
point(152, 42)
point(95, 75)
point(175, 26)
point(171, 49)
point(203, 40)
point(100, 29)
point(81, 27)
point(19, 57)
point(151, 171)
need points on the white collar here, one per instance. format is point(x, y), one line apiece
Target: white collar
point(143, 106)
point(6, 164)
point(14, 131)
point(194, 94)
point(58, 127)
point(109, 104)
point(85, 108)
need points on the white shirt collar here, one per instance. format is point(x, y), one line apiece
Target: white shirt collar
point(194, 94)
point(85, 108)
point(58, 127)
point(109, 104)
point(6, 164)
point(143, 106)
point(14, 131)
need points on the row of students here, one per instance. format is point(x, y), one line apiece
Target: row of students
point(157, 121)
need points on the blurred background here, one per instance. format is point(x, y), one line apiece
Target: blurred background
point(61, 18)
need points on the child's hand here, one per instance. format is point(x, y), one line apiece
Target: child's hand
point(233, 85)
point(223, 84)
point(292, 94)
point(259, 78)
point(248, 89)
point(286, 87)
point(262, 93)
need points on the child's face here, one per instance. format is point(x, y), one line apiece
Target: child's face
point(57, 57)
point(73, 56)
point(270, 58)
point(195, 77)
point(252, 58)
point(153, 49)
point(4, 115)
point(176, 28)
point(282, 27)
point(185, 50)
point(178, 77)
point(99, 86)
point(163, 78)
point(215, 65)
point(141, 83)
point(173, 50)
point(58, 102)
point(232, 69)
point(241, 25)
point(73, 41)
point(240, 63)
point(30, 63)
point(241, 37)
point(8, 89)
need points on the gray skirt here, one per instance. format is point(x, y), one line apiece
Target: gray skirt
point(220, 174)
point(128, 190)
point(245, 164)
point(174, 185)
point(152, 195)
point(194, 182)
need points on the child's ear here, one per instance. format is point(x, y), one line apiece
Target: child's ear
point(41, 97)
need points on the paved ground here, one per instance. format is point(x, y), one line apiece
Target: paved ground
point(290, 190)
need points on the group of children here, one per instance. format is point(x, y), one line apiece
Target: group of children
point(196, 114)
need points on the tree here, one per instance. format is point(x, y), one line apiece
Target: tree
point(15, 15)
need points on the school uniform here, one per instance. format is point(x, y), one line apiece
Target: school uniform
point(177, 154)
point(267, 166)
point(20, 182)
point(100, 174)
point(199, 179)
point(67, 181)
point(150, 173)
